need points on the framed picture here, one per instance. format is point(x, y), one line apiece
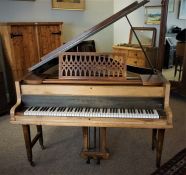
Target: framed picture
point(68, 4)
point(152, 14)
point(182, 12)
point(146, 35)
point(171, 6)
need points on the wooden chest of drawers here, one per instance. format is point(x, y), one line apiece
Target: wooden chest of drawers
point(135, 56)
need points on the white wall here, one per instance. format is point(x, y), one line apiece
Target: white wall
point(173, 17)
point(122, 28)
point(75, 22)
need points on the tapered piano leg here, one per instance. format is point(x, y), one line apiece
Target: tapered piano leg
point(86, 142)
point(154, 135)
point(40, 133)
point(28, 143)
point(160, 140)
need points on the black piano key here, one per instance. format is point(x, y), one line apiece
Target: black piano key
point(64, 108)
point(30, 108)
point(51, 109)
point(35, 108)
point(54, 108)
point(59, 108)
point(43, 108)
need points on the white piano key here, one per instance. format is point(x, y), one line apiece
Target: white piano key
point(27, 110)
point(156, 115)
point(92, 112)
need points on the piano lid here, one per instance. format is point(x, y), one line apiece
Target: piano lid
point(50, 59)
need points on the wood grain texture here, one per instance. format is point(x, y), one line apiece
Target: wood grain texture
point(25, 42)
point(135, 56)
point(49, 38)
point(92, 66)
point(24, 49)
point(91, 122)
point(93, 90)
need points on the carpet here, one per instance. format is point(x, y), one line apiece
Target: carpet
point(175, 166)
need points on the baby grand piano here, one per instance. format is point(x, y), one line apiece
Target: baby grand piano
point(92, 90)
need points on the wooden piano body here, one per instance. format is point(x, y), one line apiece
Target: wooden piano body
point(104, 91)
point(119, 93)
point(92, 80)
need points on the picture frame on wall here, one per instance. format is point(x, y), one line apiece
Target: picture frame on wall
point(152, 15)
point(146, 35)
point(68, 4)
point(171, 6)
point(182, 11)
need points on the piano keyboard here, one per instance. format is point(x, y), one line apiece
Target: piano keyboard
point(92, 112)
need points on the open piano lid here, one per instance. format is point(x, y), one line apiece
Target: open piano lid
point(51, 59)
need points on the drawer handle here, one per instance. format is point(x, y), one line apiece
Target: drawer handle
point(135, 62)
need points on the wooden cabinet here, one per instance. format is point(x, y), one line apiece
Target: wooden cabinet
point(49, 37)
point(26, 43)
point(135, 56)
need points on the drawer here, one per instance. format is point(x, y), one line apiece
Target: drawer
point(136, 62)
point(141, 63)
point(132, 61)
point(135, 54)
point(121, 51)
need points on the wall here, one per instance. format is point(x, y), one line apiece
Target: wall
point(75, 22)
point(173, 20)
point(122, 28)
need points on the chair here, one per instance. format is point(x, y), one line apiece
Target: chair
point(180, 55)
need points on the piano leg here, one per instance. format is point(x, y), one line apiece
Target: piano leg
point(28, 143)
point(86, 143)
point(154, 135)
point(159, 148)
point(40, 132)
